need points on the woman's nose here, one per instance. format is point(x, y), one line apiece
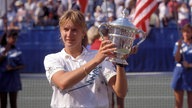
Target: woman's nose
point(69, 33)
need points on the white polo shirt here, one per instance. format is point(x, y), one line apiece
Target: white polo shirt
point(91, 92)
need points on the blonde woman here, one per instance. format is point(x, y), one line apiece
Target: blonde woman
point(78, 77)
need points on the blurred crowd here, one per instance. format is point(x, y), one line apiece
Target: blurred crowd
point(23, 14)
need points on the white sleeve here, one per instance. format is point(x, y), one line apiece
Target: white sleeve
point(190, 3)
point(52, 65)
point(108, 70)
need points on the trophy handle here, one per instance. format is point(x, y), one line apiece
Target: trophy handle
point(142, 38)
point(103, 30)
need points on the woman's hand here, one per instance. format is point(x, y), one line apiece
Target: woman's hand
point(186, 64)
point(7, 48)
point(106, 50)
point(179, 43)
point(134, 49)
point(9, 68)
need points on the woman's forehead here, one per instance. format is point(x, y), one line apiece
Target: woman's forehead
point(71, 25)
point(187, 31)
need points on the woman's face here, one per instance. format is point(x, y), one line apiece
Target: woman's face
point(72, 35)
point(11, 40)
point(187, 35)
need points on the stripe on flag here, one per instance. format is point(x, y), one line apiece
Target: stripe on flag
point(144, 9)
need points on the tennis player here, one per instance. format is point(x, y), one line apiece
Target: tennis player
point(78, 77)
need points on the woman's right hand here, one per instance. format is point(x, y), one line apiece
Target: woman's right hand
point(179, 42)
point(7, 48)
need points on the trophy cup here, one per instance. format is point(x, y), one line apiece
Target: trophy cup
point(122, 33)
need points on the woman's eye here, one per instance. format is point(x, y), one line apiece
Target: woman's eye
point(66, 29)
point(74, 30)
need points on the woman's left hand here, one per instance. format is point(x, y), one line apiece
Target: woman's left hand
point(186, 64)
point(9, 68)
point(134, 49)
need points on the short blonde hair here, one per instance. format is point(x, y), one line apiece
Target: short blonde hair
point(77, 18)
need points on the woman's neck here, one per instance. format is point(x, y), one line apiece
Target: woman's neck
point(188, 41)
point(74, 52)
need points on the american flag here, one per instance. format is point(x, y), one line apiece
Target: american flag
point(143, 11)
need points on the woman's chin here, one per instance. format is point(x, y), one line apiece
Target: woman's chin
point(70, 45)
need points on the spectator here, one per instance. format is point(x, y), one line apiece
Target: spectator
point(119, 8)
point(173, 6)
point(108, 4)
point(154, 20)
point(183, 15)
point(13, 25)
point(131, 8)
point(65, 3)
point(89, 20)
point(190, 6)
point(164, 13)
point(61, 8)
point(30, 6)
point(94, 39)
point(91, 7)
point(74, 4)
point(11, 14)
point(100, 19)
point(21, 14)
point(111, 17)
point(3, 22)
point(39, 14)
point(97, 12)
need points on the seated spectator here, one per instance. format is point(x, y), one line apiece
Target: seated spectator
point(1, 23)
point(61, 8)
point(13, 26)
point(154, 20)
point(93, 38)
point(164, 13)
point(183, 15)
point(39, 13)
point(100, 19)
point(89, 20)
point(98, 11)
point(21, 14)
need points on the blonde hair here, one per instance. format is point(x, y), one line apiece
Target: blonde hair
point(77, 18)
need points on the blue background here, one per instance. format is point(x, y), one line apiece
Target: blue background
point(154, 54)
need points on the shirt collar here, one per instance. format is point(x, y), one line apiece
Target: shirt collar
point(66, 55)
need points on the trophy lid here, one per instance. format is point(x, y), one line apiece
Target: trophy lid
point(123, 21)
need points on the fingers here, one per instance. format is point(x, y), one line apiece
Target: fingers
point(134, 49)
point(180, 42)
point(186, 64)
point(107, 47)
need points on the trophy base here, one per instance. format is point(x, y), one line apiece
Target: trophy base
point(119, 61)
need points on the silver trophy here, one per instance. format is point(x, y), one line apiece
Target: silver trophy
point(122, 33)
